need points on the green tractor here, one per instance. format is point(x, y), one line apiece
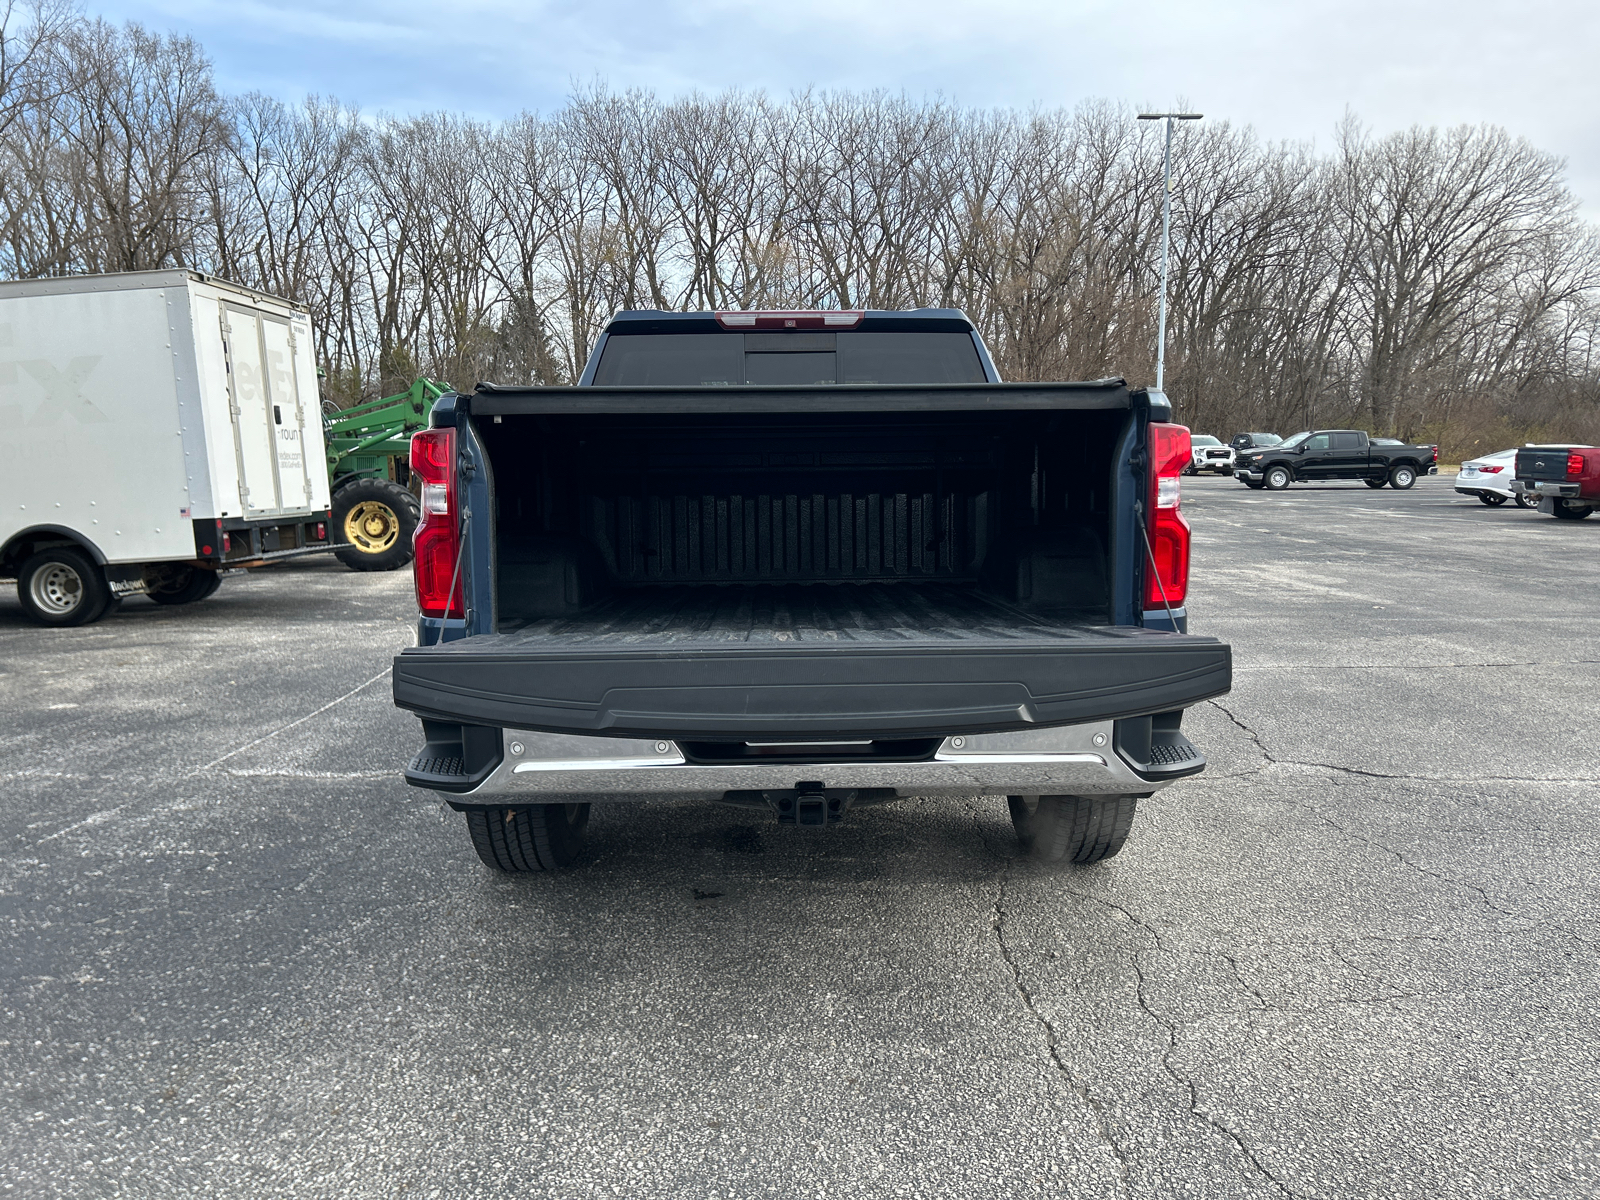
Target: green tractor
point(369, 467)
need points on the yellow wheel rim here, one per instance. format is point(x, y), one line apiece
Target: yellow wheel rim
point(371, 527)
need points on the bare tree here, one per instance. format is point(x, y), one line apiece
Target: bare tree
point(1424, 281)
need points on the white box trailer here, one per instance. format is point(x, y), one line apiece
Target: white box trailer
point(156, 428)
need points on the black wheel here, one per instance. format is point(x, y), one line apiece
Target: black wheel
point(1492, 499)
point(1079, 829)
point(1568, 511)
point(1402, 477)
point(1375, 483)
point(63, 586)
point(1255, 485)
point(1527, 500)
point(1276, 479)
point(183, 585)
point(373, 520)
point(537, 837)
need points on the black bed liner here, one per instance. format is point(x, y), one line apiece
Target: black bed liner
point(780, 613)
point(807, 660)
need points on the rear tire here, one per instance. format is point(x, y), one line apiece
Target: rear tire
point(185, 586)
point(1078, 829)
point(1569, 512)
point(1492, 499)
point(1276, 479)
point(1402, 477)
point(1375, 483)
point(63, 587)
point(535, 837)
point(373, 522)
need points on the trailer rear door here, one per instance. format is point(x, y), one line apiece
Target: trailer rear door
point(288, 413)
point(251, 411)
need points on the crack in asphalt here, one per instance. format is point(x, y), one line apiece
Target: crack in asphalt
point(1415, 866)
point(1275, 761)
point(1170, 1028)
point(998, 916)
point(1244, 986)
point(1399, 856)
point(1052, 1041)
point(1189, 1086)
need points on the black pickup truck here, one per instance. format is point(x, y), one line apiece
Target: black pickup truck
point(1335, 454)
point(801, 562)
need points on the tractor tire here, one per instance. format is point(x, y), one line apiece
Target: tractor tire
point(63, 587)
point(1077, 829)
point(373, 521)
point(1277, 478)
point(187, 585)
point(534, 837)
point(1402, 477)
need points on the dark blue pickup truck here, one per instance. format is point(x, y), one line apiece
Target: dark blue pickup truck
point(801, 562)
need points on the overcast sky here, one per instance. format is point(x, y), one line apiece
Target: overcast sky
point(1290, 68)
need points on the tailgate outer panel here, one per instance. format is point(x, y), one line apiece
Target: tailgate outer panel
point(743, 691)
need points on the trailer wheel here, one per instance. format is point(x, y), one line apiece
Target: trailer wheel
point(62, 586)
point(373, 520)
point(1375, 483)
point(536, 837)
point(1079, 829)
point(187, 585)
point(1402, 477)
point(1492, 499)
point(1568, 511)
point(1276, 479)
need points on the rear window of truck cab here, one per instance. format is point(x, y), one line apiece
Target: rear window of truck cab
point(804, 357)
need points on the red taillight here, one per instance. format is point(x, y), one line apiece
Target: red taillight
point(227, 542)
point(322, 531)
point(1168, 583)
point(438, 537)
point(1491, 470)
point(1574, 464)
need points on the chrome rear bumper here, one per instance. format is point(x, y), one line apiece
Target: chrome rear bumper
point(549, 768)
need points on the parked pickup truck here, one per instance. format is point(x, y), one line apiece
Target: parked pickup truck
point(801, 562)
point(1336, 454)
point(1565, 479)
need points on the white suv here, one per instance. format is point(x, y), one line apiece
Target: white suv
point(1208, 454)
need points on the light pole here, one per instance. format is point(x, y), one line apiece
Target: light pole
point(1166, 223)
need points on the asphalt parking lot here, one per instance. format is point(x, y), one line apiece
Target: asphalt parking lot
point(1357, 958)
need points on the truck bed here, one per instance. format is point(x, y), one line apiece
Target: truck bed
point(798, 613)
point(813, 660)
